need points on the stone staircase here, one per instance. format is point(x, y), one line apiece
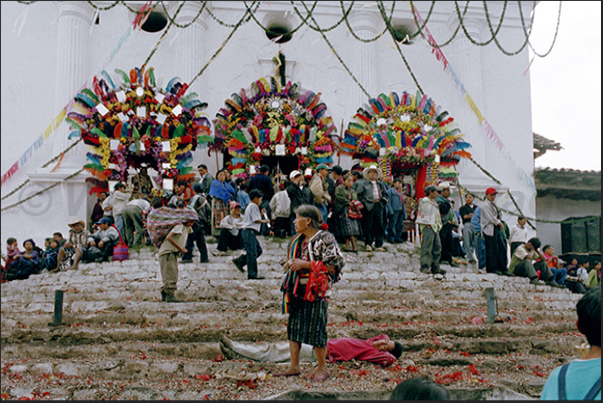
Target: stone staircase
point(118, 340)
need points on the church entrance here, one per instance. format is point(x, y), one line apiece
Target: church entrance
point(280, 164)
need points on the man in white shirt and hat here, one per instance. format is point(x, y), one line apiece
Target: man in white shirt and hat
point(430, 223)
point(373, 195)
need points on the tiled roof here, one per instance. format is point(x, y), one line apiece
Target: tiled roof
point(568, 183)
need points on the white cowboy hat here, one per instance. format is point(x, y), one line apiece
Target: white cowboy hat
point(444, 185)
point(372, 168)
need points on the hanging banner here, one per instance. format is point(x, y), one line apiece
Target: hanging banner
point(61, 116)
point(488, 130)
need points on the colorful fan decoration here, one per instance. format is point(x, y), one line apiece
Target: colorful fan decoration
point(409, 129)
point(137, 124)
point(268, 119)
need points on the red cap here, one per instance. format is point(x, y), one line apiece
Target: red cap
point(491, 191)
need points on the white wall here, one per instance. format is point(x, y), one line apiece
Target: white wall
point(502, 92)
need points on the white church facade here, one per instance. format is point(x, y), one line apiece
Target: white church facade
point(51, 50)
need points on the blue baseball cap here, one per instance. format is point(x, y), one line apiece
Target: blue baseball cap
point(104, 220)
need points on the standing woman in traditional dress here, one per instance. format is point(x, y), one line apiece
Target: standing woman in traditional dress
point(348, 227)
point(313, 265)
point(222, 193)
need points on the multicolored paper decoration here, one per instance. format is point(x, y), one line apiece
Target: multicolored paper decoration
point(410, 129)
point(259, 118)
point(136, 123)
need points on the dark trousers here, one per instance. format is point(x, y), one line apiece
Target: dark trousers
point(264, 230)
point(253, 250)
point(281, 227)
point(198, 237)
point(529, 270)
point(291, 219)
point(89, 255)
point(447, 245)
point(228, 240)
point(496, 252)
point(372, 225)
point(576, 287)
point(395, 227)
point(457, 249)
point(480, 246)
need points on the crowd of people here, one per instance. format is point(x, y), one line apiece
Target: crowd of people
point(487, 236)
point(357, 205)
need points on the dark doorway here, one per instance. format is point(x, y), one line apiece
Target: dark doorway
point(285, 164)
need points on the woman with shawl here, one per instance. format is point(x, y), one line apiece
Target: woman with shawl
point(26, 263)
point(344, 198)
point(221, 193)
point(313, 266)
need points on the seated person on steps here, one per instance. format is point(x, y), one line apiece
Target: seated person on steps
point(522, 266)
point(78, 236)
point(100, 244)
point(230, 230)
point(552, 261)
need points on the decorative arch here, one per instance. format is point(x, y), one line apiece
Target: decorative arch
point(136, 123)
point(268, 119)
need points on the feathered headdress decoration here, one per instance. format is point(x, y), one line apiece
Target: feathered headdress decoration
point(268, 114)
point(125, 125)
point(409, 127)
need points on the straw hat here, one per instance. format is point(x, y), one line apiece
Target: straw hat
point(372, 168)
point(73, 223)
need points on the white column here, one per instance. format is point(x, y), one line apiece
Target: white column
point(190, 59)
point(361, 60)
point(74, 21)
point(468, 67)
point(190, 51)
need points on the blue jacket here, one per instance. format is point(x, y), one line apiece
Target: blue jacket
point(475, 220)
point(395, 204)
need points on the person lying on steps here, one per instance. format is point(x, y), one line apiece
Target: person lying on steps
point(379, 350)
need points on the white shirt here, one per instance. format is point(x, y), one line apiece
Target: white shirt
point(142, 203)
point(232, 224)
point(582, 273)
point(108, 202)
point(280, 204)
point(518, 234)
point(375, 191)
point(252, 214)
point(119, 201)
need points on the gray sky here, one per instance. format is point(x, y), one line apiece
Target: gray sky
point(566, 85)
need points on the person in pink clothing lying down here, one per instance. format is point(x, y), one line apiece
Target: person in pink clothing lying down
point(378, 350)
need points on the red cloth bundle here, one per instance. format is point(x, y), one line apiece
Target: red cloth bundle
point(318, 283)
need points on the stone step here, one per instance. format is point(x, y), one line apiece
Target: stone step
point(184, 342)
point(165, 328)
point(141, 312)
point(176, 371)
